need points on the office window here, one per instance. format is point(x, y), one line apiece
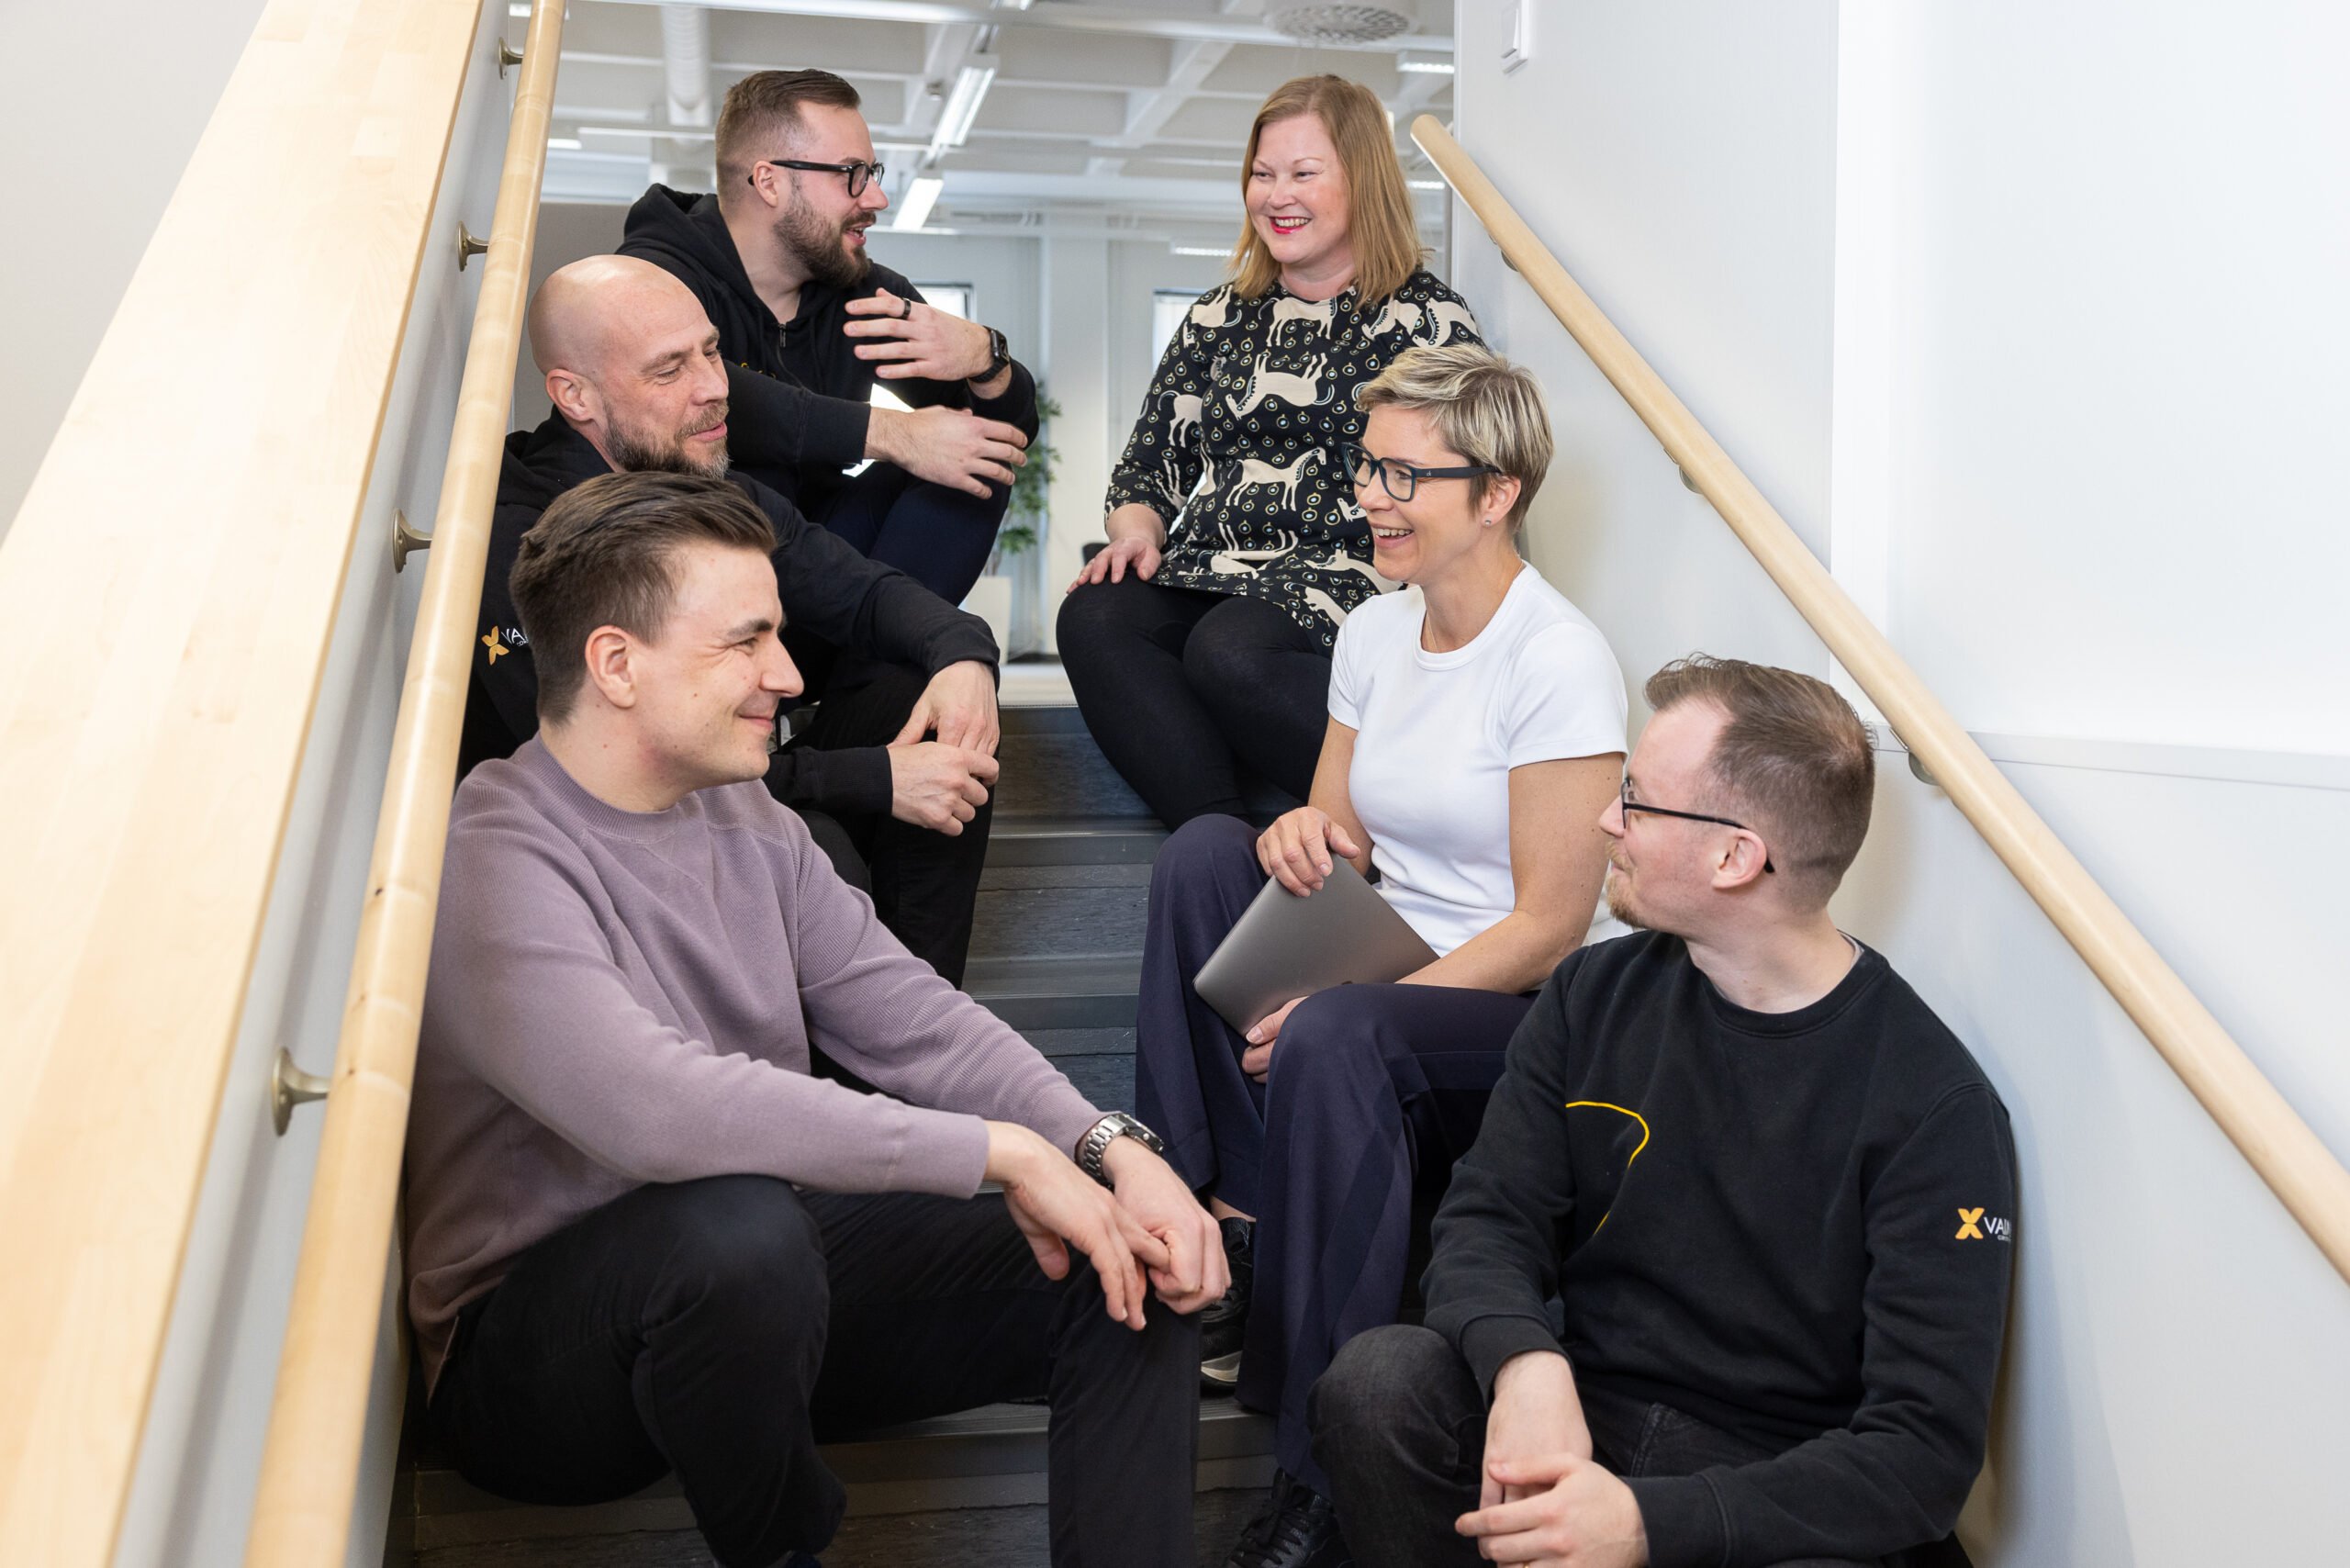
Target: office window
point(1167, 309)
point(955, 298)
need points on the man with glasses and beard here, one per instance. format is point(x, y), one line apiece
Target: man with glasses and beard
point(1723, 1278)
point(777, 257)
point(633, 370)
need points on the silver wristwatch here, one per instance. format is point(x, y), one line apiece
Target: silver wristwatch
point(1096, 1143)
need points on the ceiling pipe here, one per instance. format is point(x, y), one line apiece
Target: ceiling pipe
point(685, 69)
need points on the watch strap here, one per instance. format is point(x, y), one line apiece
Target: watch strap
point(1095, 1144)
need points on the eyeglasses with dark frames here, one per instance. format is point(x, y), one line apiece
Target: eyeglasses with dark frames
point(1398, 478)
point(1630, 805)
point(858, 173)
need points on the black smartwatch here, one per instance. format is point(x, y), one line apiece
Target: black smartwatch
point(1096, 1143)
point(999, 354)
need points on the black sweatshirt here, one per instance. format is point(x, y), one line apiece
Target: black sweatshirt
point(1797, 1227)
point(808, 377)
point(825, 586)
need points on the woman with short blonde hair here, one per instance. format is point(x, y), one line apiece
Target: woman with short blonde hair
point(1474, 738)
point(1197, 643)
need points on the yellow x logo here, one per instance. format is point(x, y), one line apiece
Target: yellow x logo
point(1970, 1225)
point(490, 640)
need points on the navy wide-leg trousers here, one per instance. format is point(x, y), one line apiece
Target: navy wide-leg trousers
point(1373, 1087)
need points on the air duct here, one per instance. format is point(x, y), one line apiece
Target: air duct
point(1313, 22)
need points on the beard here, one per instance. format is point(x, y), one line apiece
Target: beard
point(637, 451)
point(820, 246)
point(1620, 901)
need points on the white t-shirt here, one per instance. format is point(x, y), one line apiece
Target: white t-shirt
point(1438, 734)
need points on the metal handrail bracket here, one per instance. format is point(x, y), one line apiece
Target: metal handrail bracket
point(310, 1472)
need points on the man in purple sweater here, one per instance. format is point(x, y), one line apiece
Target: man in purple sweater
point(641, 1236)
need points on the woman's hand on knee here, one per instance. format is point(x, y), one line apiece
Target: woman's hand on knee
point(1138, 534)
point(1296, 851)
point(1139, 556)
point(1257, 1061)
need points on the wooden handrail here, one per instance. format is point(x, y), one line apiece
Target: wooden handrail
point(2298, 1167)
point(172, 587)
point(310, 1464)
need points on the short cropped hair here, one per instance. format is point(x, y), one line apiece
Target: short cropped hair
point(601, 555)
point(1380, 224)
point(1793, 761)
point(762, 111)
point(1484, 407)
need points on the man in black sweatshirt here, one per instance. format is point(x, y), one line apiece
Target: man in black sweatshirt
point(1723, 1278)
point(777, 257)
point(633, 368)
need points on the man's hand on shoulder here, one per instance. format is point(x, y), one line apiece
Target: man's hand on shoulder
point(952, 447)
point(937, 786)
point(908, 339)
point(1147, 1188)
point(958, 706)
point(1570, 1513)
point(1058, 1206)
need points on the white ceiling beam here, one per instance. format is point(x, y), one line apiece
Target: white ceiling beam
point(1066, 15)
point(1148, 112)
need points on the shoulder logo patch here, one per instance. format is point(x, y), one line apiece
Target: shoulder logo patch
point(1972, 1227)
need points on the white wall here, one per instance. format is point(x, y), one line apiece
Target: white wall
point(192, 1498)
point(104, 105)
point(2029, 320)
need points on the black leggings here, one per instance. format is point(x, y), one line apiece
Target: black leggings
point(1182, 689)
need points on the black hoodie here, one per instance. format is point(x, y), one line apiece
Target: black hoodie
point(826, 586)
point(684, 234)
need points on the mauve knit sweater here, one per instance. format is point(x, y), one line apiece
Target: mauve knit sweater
point(620, 998)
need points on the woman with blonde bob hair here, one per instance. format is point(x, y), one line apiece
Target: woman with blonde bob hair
point(1474, 737)
point(1198, 642)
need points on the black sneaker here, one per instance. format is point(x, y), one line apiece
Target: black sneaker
point(1297, 1528)
point(1224, 1322)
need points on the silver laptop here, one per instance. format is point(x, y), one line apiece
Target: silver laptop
point(1284, 947)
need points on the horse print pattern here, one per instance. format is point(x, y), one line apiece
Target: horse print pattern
point(1238, 442)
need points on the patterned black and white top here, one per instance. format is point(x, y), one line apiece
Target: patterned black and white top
point(1239, 435)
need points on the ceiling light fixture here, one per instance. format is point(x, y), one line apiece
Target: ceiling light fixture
point(1426, 185)
point(1424, 62)
point(1218, 251)
point(963, 101)
point(563, 144)
point(921, 197)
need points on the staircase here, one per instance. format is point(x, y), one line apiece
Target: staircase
point(1056, 953)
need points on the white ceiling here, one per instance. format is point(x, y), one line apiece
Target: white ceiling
point(1104, 116)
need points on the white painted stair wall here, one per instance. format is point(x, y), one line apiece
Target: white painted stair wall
point(2031, 321)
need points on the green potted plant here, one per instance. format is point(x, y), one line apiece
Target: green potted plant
point(1005, 597)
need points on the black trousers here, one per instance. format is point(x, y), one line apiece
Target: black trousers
point(939, 537)
point(723, 1329)
point(1183, 689)
point(924, 884)
point(1375, 1091)
point(1399, 1425)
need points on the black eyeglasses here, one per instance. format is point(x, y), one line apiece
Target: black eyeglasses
point(1630, 805)
point(858, 173)
point(1398, 478)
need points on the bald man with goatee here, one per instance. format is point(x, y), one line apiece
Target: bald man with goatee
point(895, 768)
